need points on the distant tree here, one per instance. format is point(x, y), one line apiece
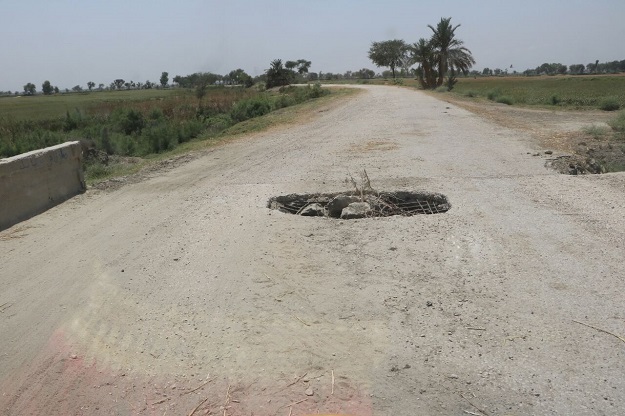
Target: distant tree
point(118, 84)
point(239, 77)
point(303, 66)
point(164, 79)
point(148, 85)
point(497, 71)
point(56, 90)
point(176, 80)
point(30, 89)
point(365, 73)
point(100, 87)
point(290, 65)
point(487, 71)
point(390, 53)
point(278, 75)
point(77, 88)
point(90, 85)
point(47, 88)
point(551, 69)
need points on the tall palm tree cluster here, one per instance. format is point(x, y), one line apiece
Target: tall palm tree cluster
point(443, 55)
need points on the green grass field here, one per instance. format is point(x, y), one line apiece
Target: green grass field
point(41, 107)
point(579, 92)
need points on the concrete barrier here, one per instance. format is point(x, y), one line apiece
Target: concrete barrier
point(33, 182)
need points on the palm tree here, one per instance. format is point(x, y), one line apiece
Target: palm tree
point(450, 53)
point(277, 74)
point(423, 54)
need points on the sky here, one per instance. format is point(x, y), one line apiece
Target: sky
point(71, 42)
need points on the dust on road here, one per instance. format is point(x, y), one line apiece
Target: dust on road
point(184, 294)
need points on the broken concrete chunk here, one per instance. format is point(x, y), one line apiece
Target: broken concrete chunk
point(313, 210)
point(338, 203)
point(356, 210)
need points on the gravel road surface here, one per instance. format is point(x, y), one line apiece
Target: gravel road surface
point(183, 294)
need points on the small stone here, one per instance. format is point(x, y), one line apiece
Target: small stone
point(428, 303)
point(73, 356)
point(454, 376)
point(548, 152)
point(309, 391)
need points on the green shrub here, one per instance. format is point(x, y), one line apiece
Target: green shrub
point(282, 101)
point(555, 100)
point(316, 91)
point(595, 131)
point(156, 114)
point(609, 104)
point(218, 123)
point(250, 108)
point(96, 170)
point(189, 129)
point(618, 123)
point(105, 141)
point(69, 124)
point(504, 99)
point(471, 94)
point(158, 138)
point(398, 81)
point(129, 121)
point(493, 94)
point(442, 88)
point(451, 82)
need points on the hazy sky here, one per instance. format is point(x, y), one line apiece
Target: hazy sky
point(70, 42)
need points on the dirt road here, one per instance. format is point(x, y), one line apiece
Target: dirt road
point(183, 294)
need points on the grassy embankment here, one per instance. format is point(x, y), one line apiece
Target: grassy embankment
point(146, 125)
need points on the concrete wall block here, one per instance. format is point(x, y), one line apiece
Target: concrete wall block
point(33, 182)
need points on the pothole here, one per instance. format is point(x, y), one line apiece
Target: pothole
point(353, 205)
